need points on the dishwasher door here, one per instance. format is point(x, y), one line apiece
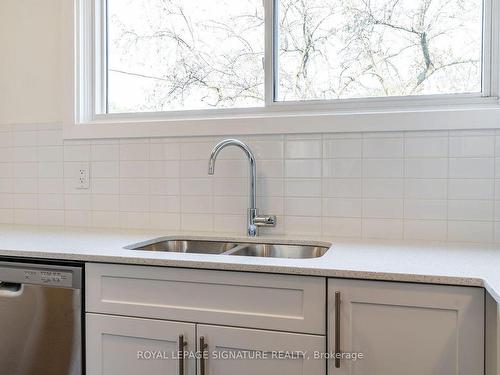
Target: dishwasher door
point(40, 320)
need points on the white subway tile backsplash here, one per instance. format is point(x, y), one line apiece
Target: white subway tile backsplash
point(26, 217)
point(383, 208)
point(105, 202)
point(383, 148)
point(167, 221)
point(105, 219)
point(105, 169)
point(342, 168)
point(51, 217)
point(100, 152)
point(227, 186)
point(342, 227)
point(383, 168)
point(303, 188)
point(165, 186)
point(309, 226)
point(303, 168)
point(470, 210)
point(51, 202)
point(197, 186)
point(426, 188)
point(230, 205)
point(426, 209)
point(383, 188)
point(471, 189)
point(414, 185)
point(133, 186)
point(342, 148)
point(342, 207)
point(426, 147)
point(77, 152)
point(434, 230)
point(134, 203)
point(426, 168)
point(165, 204)
point(342, 187)
point(134, 169)
point(132, 151)
point(470, 146)
point(383, 229)
point(135, 220)
point(304, 149)
point(25, 138)
point(472, 168)
point(197, 204)
point(470, 231)
point(197, 222)
point(303, 207)
point(50, 154)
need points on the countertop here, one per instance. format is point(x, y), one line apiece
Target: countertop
point(424, 262)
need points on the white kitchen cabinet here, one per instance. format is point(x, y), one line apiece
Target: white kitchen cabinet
point(409, 329)
point(132, 346)
point(242, 299)
point(237, 351)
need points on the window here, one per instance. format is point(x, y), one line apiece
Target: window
point(166, 55)
point(171, 60)
point(338, 49)
point(170, 55)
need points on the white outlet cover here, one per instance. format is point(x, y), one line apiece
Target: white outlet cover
point(83, 177)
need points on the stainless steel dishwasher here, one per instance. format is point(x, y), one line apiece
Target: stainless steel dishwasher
point(40, 319)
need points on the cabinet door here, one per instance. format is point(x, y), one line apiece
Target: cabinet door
point(410, 329)
point(131, 346)
point(238, 351)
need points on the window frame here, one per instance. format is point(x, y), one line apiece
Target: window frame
point(85, 94)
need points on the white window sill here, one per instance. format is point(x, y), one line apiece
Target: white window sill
point(472, 117)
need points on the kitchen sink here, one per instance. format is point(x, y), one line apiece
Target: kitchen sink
point(279, 251)
point(218, 247)
point(186, 246)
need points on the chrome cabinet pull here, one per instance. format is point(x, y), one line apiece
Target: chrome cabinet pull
point(203, 346)
point(181, 345)
point(337, 329)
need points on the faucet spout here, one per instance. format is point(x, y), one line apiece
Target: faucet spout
point(253, 218)
point(252, 164)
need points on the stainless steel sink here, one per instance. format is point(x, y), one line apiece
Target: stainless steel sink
point(250, 249)
point(280, 251)
point(186, 246)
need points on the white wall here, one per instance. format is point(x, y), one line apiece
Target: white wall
point(30, 56)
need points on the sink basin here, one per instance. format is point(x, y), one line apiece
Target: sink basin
point(218, 247)
point(280, 251)
point(186, 246)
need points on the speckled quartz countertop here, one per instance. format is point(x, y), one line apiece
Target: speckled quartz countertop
point(425, 262)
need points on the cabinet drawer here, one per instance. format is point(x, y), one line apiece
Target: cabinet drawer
point(278, 302)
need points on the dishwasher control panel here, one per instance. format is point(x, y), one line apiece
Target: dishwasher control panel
point(44, 275)
point(48, 277)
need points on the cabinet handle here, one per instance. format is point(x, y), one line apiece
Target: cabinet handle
point(181, 345)
point(203, 346)
point(337, 329)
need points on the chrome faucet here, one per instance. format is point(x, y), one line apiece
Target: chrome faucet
point(254, 220)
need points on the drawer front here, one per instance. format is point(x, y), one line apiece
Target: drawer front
point(278, 302)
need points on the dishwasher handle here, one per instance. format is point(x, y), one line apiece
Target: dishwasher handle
point(10, 289)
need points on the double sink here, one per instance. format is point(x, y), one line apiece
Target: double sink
point(221, 247)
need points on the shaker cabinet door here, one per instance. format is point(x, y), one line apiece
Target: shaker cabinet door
point(403, 328)
point(132, 346)
point(238, 351)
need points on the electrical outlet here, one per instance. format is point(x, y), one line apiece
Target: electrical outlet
point(83, 177)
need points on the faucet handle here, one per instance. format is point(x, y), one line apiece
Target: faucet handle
point(265, 221)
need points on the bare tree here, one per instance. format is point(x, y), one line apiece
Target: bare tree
point(188, 56)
